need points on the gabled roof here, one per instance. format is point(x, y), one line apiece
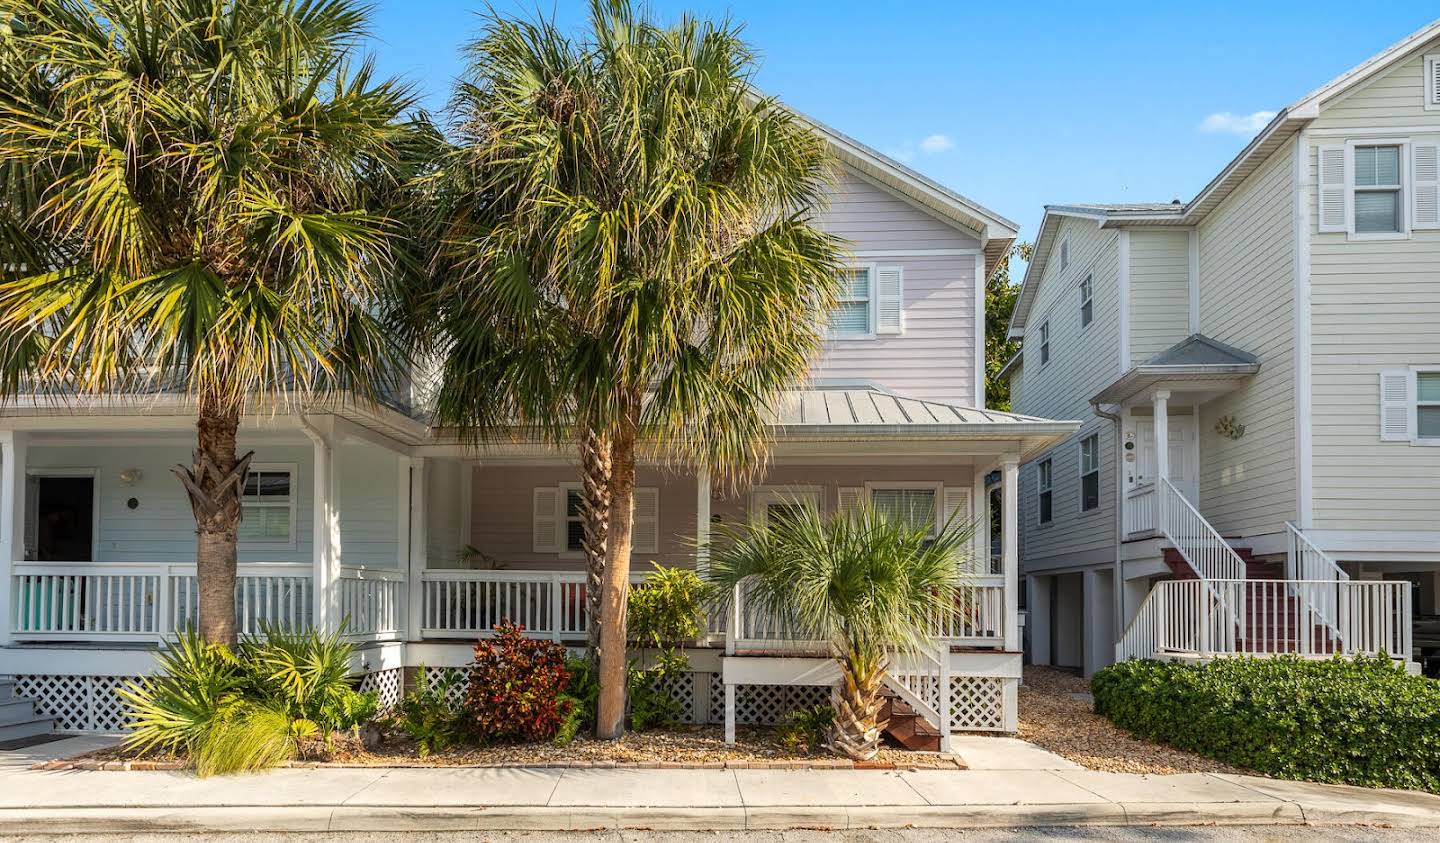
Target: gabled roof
point(1286, 123)
point(995, 231)
point(1195, 359)
point(1200, 350)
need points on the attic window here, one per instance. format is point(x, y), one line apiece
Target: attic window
point(1432, 82)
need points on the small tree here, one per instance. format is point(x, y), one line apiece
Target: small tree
point(869, 584)
point(1001, 293)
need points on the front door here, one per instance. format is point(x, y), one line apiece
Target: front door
point(1184, 473)
point(61, 519)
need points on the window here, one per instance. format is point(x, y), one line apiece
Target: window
point(1065, 254)
point(851, 317)
point(770, 506)
point(1090, 473)
point(268, 505)
point(574, 521)
point(1378, 190)
point(1432, 82)
point(915, 506)
point(1427, 405)
point(1087, 308)
point(1044, 342)
point(1046, 499)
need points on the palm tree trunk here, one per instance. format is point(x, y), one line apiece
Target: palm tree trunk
point(856, 733)
point(215, 482)
point(610, 714)
point(595, 471)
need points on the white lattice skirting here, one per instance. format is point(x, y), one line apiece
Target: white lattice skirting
point(78, 703)
point(387, 684)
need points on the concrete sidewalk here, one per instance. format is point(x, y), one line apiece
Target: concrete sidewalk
point(398, 800)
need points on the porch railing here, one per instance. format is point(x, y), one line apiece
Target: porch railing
point(372, 602)
point(468, 604)
point(1205, 549)
point(1270, 617)
point(1140, 509)
point(103, 601)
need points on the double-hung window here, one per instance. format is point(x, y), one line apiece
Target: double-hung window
point(1379, 189)
point(1087, 307)
point(1046, 494)
point(851, 317)
point(574, 520)
point(915, 506)
point(1044, 342)
point(268, 505)
point(1090, 473)
point(1427, 405)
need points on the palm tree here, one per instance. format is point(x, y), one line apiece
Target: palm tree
point(195, 197)
point(626, 260)
point(870, 584)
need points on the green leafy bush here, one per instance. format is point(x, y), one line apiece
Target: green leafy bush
point(515, 688)
point(805, 729)
point(648, 691)
point(667, 609)
point(426, 715)
point(1362, 721)
point(247, 709)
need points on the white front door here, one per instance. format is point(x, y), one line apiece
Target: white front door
point(1184, 473)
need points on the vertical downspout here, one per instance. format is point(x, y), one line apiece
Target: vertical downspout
point(1118, 598)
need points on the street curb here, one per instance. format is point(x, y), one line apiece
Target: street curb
point(382, 818)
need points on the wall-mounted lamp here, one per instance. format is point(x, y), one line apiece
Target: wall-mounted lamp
point(130, 476)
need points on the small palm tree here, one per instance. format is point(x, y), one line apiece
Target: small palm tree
point(195, 197)
point(870, 584)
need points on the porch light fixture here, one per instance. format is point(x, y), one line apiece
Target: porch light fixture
point(130, 476)
point(1227, 427)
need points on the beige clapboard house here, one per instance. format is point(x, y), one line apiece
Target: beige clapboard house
point(1280, 332)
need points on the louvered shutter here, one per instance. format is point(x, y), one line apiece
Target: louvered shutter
point(1432, 83)
point(957, 506)
point(889, 300)
point(1396, 402)
point(1334, 202)
point(545, 524)
point(646, 536)
point(1425, 181)
point(850, 497)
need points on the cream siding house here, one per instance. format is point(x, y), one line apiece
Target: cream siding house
point(419, 542)
point(1280, 329)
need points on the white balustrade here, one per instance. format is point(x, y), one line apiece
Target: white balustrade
point(1140, 509)
point(372, 602)
point(468, 604)
point(1205, 549)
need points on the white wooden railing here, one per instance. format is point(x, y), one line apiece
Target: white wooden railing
point(1306, 561)
point(1140, 509)
point(1199, 618)
point(1205, 549)
point(372, 602)
point(467, 604)
point(110, 602)
point(922, 680)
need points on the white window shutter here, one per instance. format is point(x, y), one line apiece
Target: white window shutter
point(889, 300)
point(645, 537)
point(1396, 403)
point(850, 497)
point(1425, 181)
point(1334, 199)
point(957, 505)
point(545, 532)
point(1432, 83)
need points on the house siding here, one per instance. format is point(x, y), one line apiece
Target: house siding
point(1082, 361)
point(1248, 486)
point(1159, 291)
point(1375, 305)
point(935, 356)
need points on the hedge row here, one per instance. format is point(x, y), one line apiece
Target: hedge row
point(1362, 721)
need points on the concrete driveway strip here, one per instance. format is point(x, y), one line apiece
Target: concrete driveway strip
point(1338, 803)
point(460, 787)
point(648, 789)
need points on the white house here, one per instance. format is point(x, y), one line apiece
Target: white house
point(364, 515)
point(1278, 333)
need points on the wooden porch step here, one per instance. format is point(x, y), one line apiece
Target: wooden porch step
point(905, 726)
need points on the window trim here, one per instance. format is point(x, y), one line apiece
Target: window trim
point(935, 486)
point(1095, 437)
point(1045, 343)
point(762, 496)
point(1432, 76)
point(1043, 488)
point(562, 521)
point(1416, 404)
point(870, 270)
point(275, 468)
point(1087, 300)
point(1403, 190)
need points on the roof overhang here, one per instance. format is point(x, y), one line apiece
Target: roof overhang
point(1144, 380)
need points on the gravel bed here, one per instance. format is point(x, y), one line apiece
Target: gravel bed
point(1052, 717)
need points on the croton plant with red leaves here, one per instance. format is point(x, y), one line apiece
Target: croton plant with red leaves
point(515, 685)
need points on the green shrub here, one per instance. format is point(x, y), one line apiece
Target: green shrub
point(1362, 721)
point(426, 715)
point(805, 729)
point(515, 688)
point(648, 691)
point(667, 609)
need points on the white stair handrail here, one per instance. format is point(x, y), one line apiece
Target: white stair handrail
point(1202, 546)
point(1306, 561)
point(922, 679)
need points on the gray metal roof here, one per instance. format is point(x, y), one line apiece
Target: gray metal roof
point(862, 406)
point(1200, 350)
point(1197, 360)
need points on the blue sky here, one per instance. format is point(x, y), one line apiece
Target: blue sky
point(1014, 106)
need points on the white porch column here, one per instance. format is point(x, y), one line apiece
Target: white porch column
point(980, 509)
point(13, 446)
point(1098, 646)
point(1037, 619)
point(1010, 550)
point(325, 538)
point(1162, 435)
point(416, 553)
point(702, 521)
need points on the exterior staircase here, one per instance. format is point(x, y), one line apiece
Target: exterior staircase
point(18, 719)
point(905, 725)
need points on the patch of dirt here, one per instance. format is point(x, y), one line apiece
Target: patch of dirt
point(1052, 717)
